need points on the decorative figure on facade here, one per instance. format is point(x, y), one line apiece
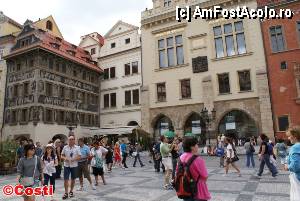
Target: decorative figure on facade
point(33, 86)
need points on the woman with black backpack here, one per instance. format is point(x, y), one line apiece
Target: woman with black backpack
point(191, 167)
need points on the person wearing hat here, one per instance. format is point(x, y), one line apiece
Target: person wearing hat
point(49, 161)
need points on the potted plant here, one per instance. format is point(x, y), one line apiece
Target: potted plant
point(8, 150)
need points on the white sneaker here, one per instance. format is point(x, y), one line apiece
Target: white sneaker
point(93, 187)
point(225, 175)
point(80, 188)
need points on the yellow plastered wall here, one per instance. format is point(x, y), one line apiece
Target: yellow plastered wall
point(8, 28)
point(42, 25)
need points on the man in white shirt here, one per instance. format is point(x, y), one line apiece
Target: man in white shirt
point(70, 154)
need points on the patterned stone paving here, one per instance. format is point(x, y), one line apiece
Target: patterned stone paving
point(143, 184)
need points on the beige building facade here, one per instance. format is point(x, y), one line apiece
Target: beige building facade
point(120, 58)
point(214, 64)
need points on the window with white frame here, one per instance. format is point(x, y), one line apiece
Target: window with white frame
point(132, 97)
point(229, 39)
point(170, 51)
point(277, 38)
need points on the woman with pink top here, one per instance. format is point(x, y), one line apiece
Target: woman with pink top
point(197, 169)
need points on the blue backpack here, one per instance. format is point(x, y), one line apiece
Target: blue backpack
point(220, 151)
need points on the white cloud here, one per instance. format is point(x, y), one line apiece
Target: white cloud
point(77, 17)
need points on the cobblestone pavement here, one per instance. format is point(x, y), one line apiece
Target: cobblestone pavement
point(143, 184)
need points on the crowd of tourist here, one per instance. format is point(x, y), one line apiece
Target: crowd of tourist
point(38, 165)
point(179, 158)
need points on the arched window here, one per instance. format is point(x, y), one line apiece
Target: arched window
point(162, 125)
point(49, 25)
point(238, 124)
point(132, 123)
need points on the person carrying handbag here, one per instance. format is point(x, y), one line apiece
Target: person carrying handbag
point(231, 157)
point(30, 172)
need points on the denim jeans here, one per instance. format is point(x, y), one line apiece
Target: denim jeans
point(250, 159)
point(124, 157)
point(48, 178)
point(137, 157)
point(266, 161)
point(174, 164)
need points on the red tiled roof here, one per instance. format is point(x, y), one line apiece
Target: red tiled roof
point(63, 48)
point(101, 39)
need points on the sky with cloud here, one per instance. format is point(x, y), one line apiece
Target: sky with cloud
point(77, 17)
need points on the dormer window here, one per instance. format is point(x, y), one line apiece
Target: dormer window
point(71, 52)
point(167, 3)
point(55, 45)
point(49, 25)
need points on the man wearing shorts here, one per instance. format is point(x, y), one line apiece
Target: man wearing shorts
point(70, 154)
point(83, 169)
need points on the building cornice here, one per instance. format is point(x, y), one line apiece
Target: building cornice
point(160, 17)
point(131, 85)
point(101, 58)
point(121, 111)
point(109, 89)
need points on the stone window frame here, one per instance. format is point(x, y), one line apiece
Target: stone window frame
point(219, 74)
point(167, 3)
point(13, 121)
point(108, 73)
point(50, 93)
point(165, 50)
point(82, 119)
point(47, 110)
point(238, 80)
point(24, 119)
point(159, 100)
point(59, 118)
point(234, 33)
point(93, 51)
point(16, 90)
point(189, 89)
point(277, 121)
point(26, 86)
point(113, 45)
point(283, 37)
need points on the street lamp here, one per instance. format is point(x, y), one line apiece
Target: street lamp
point(208, 118)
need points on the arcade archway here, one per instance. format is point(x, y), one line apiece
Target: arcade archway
point(161, 125)
point(238, 124)
point(195, 125)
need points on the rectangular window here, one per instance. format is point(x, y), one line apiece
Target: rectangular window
point(167, 55)
point(31, 63)
point(283, 123)
point(162, 56)
point(49, 115)
point(26, 89)
point(18, 67)
point(135, 67)
point(24, 114)
point(106, 100)
point(72, 94)
point(277, 39)
point(62, 117)
point(113, 100)
point(112, 72)
point(112, 45)
point(167, 3)
point(62, 92)
point(245, 80)
point(161, 92)
point(136, 96)
point(298, 29)
point(106, 74)
point(14, 116)
point(185, 88)
point(283, 65)
point(224, 86)
point(127, 69)
point(93, 51)
point(57, 66)
point(127, 97)
point(49, 90)
point(64, 68)
point(127, 40)
point(50, 63)
point(16, 91)
point(232, 36)
point(1, 54)
point(82, 119)
point(84, 75)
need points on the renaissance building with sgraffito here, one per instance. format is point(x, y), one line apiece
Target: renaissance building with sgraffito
point(52, 86)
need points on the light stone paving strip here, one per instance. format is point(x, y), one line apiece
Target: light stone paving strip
point(143, 184)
